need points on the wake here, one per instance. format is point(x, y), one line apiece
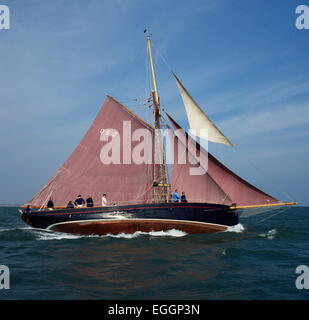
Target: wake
point(51, 235)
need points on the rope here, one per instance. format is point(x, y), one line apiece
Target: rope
point(163, 59)
point(280, 190)
point(45, 201)
point(273, 215)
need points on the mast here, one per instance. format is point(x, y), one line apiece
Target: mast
point(157, 114)
point(155, 95)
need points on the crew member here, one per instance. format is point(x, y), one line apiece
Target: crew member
point(70, 205)
point(79, 202)
point(104, 200)
point(50, 204)
point(175, 196)
point(89, 202)
point(183, 197)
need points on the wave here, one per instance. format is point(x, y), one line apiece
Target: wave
point(14, 229)
point(238, 228)
point(271, 234)
point(42, 234)
point(51, 235)
point(167, 233)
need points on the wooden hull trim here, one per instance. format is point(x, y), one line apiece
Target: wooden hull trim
point(116, 226)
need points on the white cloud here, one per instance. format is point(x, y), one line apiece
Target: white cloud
point(265, 122)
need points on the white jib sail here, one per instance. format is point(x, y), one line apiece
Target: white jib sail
point(198, 120)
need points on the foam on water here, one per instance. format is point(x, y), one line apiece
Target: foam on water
point(167, 233)
point(50, 235)
point(238, 228)
point(41, 234)
point(271, 234)
point(15, 228)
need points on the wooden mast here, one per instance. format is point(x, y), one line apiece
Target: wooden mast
point(157, 113)
point(155, 95)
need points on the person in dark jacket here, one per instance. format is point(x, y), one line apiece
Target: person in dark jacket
point(27, 210)
point(79, 202)
point(183, 197)
point(70, 205)
point(50, 204)
point(89, 202)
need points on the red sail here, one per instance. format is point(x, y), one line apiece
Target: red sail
point(198, 188)
point(84, 172)
point(238, 190)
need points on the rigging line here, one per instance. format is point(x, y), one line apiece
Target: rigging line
point(236, 149)
point(186, 152)
point(46, 199)
point(178, 158)
point(280, 190)
point(163, 59)
point(147, 189)
point(136, 108)
point(275, 214)
point(78, 176)
point(127, 99)
point(48, 186)
point(75, 178)
point(181, 167)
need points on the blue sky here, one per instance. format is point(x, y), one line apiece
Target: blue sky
point(245, 62)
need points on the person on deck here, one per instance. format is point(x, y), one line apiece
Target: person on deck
point(79, 202)
point(27, 210)
point(50, 204)
point(183, 197)
point(89, 202)
point(70, 205)
point(175, 196)
point(104, 200)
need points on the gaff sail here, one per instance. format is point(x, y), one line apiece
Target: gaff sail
point(84, 173)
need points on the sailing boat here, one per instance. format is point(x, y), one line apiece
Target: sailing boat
point(139, 192)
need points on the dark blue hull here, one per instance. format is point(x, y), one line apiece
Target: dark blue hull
point(188, 217)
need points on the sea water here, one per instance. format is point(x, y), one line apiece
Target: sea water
point(256, 259)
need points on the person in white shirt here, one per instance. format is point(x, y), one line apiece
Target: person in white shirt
point(104, 200)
